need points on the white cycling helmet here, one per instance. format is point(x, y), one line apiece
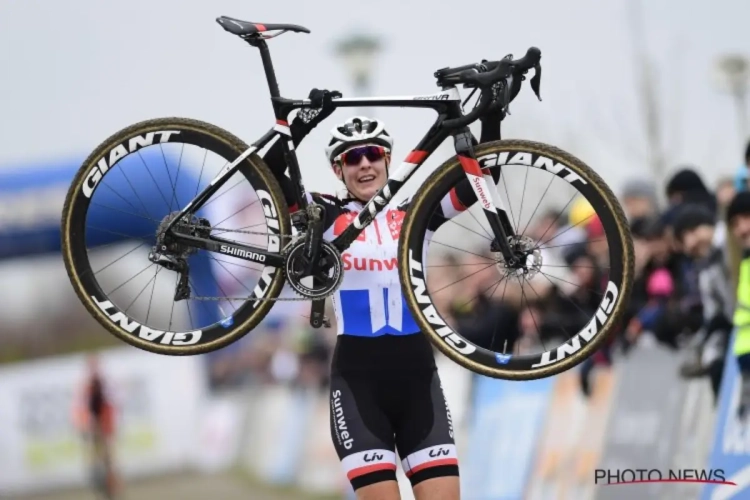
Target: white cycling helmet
point(357, 130)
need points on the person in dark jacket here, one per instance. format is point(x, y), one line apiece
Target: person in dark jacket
point(686, 186)
point(694, 230)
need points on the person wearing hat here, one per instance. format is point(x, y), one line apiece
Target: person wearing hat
point(738, 222)
point(639, 199)
point(694, 230)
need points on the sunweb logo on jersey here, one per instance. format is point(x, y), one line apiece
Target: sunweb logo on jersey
point(342, 432)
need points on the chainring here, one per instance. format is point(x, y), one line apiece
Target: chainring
point(327, 283)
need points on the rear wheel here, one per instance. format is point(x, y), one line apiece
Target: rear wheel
point(126, 190)
point(484, 318)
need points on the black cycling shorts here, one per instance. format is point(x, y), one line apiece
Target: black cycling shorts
point(382, 407)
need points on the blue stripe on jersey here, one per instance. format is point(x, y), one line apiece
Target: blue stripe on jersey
point(356, 313)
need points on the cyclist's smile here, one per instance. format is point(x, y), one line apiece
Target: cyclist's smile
point(366, 178)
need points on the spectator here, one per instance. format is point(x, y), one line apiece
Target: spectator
point(650, 310)
point(738, 221)
point(686, 186)
point(741, 176)
point(639, 199)
point(725, 191)
point(694, 230)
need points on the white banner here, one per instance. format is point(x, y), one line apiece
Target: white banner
point(156, 399)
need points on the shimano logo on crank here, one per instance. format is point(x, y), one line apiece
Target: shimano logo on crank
point(238, 252)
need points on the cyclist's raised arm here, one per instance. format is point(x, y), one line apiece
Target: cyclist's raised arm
point(462, 196)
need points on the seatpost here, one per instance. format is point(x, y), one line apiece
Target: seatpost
point(265, 56)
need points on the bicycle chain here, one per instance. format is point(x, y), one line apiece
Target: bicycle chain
point(245, 299)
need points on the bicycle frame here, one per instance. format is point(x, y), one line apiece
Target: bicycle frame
point(447, 103)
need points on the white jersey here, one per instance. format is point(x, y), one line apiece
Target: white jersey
point(369, 302)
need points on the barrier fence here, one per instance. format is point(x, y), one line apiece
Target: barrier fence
point(534, 440)
point(40, 447)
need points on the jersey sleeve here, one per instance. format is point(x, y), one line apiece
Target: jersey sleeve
point(462, 196)
point(332, 207)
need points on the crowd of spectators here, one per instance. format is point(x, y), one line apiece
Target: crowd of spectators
point(682, 292)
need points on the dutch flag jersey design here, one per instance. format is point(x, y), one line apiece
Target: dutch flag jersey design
point(369, 302)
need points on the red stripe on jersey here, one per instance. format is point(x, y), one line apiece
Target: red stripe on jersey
point(343, 221)
point(395, 220)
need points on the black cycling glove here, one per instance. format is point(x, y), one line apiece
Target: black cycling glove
point(320, 110)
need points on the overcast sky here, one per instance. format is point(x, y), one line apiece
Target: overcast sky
point(75, 71)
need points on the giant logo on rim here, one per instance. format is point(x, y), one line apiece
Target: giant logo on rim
point(144, 332)
point(445, 332)
point(274, 238)
point(119, 152)
point(590, 331)
point(531, 160)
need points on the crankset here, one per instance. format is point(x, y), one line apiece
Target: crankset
point(327, 276)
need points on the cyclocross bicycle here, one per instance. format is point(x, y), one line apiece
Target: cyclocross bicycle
point(293, 251)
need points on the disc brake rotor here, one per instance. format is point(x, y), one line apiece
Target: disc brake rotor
point(529, 264)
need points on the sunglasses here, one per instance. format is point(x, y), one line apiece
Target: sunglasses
point(353, 157)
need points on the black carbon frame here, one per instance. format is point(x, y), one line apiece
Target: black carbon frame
point(446, 107)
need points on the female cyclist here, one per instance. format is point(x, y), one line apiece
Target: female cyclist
point(385, 392)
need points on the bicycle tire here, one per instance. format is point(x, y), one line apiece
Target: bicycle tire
point(479, 359)
point(220, 334)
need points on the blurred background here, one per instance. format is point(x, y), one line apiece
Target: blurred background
point(641, 91)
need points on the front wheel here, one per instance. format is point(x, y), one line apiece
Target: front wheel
point(567, 298)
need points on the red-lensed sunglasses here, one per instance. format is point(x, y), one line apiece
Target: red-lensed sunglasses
point(353, 157)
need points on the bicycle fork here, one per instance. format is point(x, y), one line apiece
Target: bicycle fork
point(482, 184)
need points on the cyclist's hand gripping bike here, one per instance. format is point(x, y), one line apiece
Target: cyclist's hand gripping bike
point(291, 250)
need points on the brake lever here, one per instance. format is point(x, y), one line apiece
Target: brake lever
point(506, 94)
point(536, 81)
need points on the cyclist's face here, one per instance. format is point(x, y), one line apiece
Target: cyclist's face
point(365, 177)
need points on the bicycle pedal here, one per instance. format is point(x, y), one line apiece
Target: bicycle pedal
point(317, 321)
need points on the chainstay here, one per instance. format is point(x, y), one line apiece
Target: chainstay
point(245, 299)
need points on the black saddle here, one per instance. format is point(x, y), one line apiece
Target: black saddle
point(247, 28)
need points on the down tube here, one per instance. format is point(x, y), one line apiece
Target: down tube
point(396, 179)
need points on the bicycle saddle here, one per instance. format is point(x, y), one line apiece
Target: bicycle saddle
point(247, 28)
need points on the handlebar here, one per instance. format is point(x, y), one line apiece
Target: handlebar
point(483, 76)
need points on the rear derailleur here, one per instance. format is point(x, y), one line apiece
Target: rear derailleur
point(172, 255)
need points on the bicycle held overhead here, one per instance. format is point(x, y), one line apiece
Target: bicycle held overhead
point(300, 248)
